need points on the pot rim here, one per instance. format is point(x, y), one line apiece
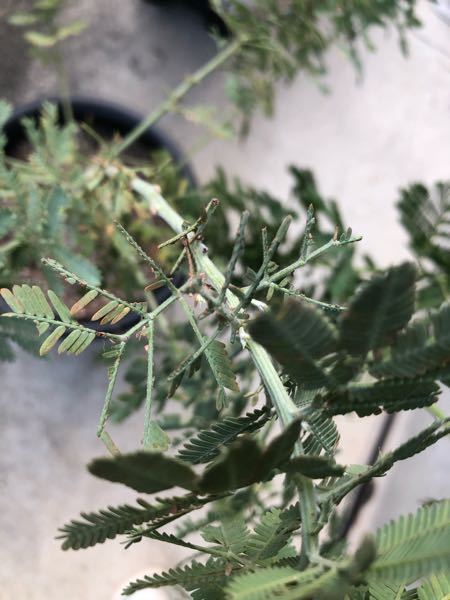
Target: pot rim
point(123, 120)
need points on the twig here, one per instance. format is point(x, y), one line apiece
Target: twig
point(284, 405)
point(179, 93)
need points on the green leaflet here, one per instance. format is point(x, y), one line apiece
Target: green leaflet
point(83, 301)
point(414, 546)
point(221, 366)
point(380, 308)
point(55, 203)
point(105, 310)
point(298, 337)
point(238, 467)
point(13, 301)
point(32, 300)
point(323, 434)
point(69, 341)
point(51, 340)
point(60, 307)
point(29, 302)
point(207, 444)
point(169, 538)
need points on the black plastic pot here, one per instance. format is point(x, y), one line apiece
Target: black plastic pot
point(202, 7)
point(107, 118)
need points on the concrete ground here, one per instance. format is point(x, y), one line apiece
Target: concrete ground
point(363, 141)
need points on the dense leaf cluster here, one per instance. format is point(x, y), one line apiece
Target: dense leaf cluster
point(58, 201)
point(314, 360)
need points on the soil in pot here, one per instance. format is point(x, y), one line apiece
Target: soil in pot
point(93, 202)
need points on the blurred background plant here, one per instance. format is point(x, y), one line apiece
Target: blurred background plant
point(45, 33)
point(60, 202)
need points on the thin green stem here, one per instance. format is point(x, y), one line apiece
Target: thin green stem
point(179, 93)
point(238, 249)
point(323, 305)
point(301, 262)
point(64, 85)
point(269, 254)
point(436, 412)
point(283, 403)
point(107, 403)
point(196, 227)
point(428, 436)
point(149, 387)
point(109, 443)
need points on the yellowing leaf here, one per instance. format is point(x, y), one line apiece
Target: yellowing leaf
point(51, 340)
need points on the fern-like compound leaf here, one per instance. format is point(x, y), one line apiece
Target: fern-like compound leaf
point(322, 430)
point(207, 444)
point(271, 583)
point(231, 534)
point(425, 214)
point(95, 528)
point(298, 337)
point(221, 366)
point(270, 536)
point(390, 395)
point(190, 577)
point(436, 586)
point(414, 546)
point(382, 306)
point(323, 434)
point(30, 303)
point(244, 462)
point(417, 350)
